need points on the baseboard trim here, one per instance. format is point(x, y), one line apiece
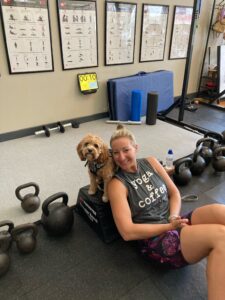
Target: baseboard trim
point(30, 131)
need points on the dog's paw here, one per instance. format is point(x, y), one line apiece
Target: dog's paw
point(104, 198)
point(91, 192)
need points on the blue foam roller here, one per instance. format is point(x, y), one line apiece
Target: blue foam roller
point(136, 105)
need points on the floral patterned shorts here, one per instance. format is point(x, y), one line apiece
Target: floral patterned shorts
point(165, 249)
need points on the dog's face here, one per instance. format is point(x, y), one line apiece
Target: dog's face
point(91, 148)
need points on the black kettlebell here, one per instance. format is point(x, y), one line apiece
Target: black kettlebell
point(5, 235)
point(29, 202)
point(182, 174)
point(198, 162)
point(4, 263)
point(223, 135)
point(218, 161)
point(218, 138)
point(25, 237)
point(57, 218)
point(206, 150)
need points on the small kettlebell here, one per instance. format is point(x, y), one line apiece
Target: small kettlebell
point(198, 162)
point(182, 174)
point(57, 218)
point(5, 235)
point(25, 237)
point(218, 137)
point(218, 161)
point(207, 146)
point(4, 263)
point(29, 202)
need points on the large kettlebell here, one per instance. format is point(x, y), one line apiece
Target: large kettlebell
point(25, 237)
point(206, 150)
point(5, 235)
point(57, 218)
point(198, 162)
point(218, 137)
point(182, 174)
point(4, 263)
point(29, 202)
point(223, 135)
point(218, 161)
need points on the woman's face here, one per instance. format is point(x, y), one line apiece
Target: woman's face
point(124, 154)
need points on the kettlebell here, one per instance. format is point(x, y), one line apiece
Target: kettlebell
point(223, 135)
point(218, 161)
point(218, 138)
point(25, 237)
point(182, 174)
point(29, 202)
point(57, 218)
point(4, 263)
point(198, 162)
point(206, 151)
point(5, 235)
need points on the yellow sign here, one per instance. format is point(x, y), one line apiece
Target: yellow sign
point(88, 82)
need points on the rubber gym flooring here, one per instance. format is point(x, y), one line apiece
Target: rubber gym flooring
point(81, 266)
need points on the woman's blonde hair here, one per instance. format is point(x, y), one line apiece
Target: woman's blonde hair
point(122, 131)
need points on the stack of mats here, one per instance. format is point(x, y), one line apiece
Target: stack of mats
point(120, 91)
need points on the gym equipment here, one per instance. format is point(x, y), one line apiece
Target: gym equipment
point(218, 137)
point(182, 174)
point(57, 218)
point(29, 202)
point(97, 214)
point(218, 161)
point(123, 122)
point(5, 235)
point(4, 263)
point(206, 150)
point(152, 106)
point(59, 127)
point(119, 92)
point(136, 103)
point(198, 162)
point(223, 134)
point(25, 237)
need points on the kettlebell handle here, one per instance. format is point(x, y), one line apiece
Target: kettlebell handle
point(211, 140)
point(23, 186)
point(197, 152)
point(186, 160)
point(24, 227)
point(53, 198)
point(217, 151)
point(7, 223)
point(215, 135)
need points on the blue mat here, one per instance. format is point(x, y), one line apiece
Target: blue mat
point(120, 91)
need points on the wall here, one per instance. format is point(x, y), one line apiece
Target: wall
point(29, 100)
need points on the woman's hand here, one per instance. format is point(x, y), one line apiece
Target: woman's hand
point(178, 222)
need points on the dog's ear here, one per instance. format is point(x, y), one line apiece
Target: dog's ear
point(79, 151)
point(104, 153)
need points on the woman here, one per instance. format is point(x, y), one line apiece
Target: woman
point(146, 207)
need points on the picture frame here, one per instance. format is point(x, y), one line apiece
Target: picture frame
point(120, 32)
point(77, 21)
point(221, 68)
point(182, 19)
point(153, 32)
point(27, 36)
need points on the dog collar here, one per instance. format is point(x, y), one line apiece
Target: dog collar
point(94, 166)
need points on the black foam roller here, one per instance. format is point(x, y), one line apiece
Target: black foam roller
point(152, 105)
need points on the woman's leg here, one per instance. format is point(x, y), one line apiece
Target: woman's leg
point(207, 240)
point(209, 214)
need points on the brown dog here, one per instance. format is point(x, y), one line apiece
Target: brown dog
point(99, 160)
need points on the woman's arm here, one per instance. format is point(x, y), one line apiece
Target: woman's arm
point(117, 193)
point(173, 192)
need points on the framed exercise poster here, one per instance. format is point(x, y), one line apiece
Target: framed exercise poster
point(153, 32)
point(27, 35)
point(181, 31)
point(221, 68)
point(78, 33)
point(120, 32)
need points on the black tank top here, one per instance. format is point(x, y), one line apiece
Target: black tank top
point(147, 194)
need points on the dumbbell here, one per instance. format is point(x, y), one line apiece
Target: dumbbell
point(60, 127)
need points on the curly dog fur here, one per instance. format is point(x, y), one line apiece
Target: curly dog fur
point(101, 166)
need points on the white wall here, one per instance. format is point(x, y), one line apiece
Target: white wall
point(28, 100)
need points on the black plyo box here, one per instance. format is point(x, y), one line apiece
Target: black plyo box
point(97, 214)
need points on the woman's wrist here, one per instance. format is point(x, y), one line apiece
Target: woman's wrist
point(172, 217)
